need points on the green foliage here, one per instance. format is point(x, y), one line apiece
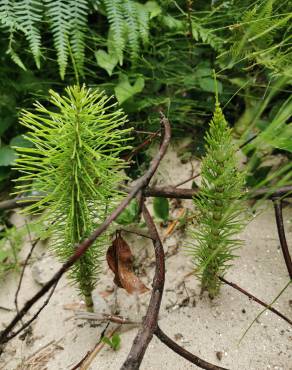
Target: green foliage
point(75, 165)
point(279, 132)
point(220, 206)
point(68, 23)
point(10, 244)
point(124, 90)
point(261, 36)
point(161, 208)
point(114, 342)
point(7, 156)
point(129, 214)
point(129, 23)
point(151, 55)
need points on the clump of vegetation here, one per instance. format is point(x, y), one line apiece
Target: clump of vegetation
point(11, 241)
point(74, 166)
point(220, 206)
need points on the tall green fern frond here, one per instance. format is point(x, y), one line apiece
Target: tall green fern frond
point(130, 14)
point(7, 14)
point(10, 25)
point(74, 165)
point(114, 12)
point(78, 26)
point(58, 13)
point(143, 23)
point(28, 15)
point(129, 24)
point(68, 23)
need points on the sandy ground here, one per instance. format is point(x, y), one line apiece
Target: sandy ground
point(210, 329)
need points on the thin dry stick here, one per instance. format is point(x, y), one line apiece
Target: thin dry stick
point(172, 192)
point(149, 325)
point(187, 180)
point(255, 299)
point(168, 191)
point(184, 353)
point(105, 317)
point(30, 321)
point(146, 142)
point(139, 233)
point(281, 232)
point(6, 334)
point(33, 245)
point(86, 361)
point(91, 356)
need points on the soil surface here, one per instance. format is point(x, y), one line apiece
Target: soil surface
point(61, 336)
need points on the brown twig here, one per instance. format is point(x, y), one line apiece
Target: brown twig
point(187, 180)
point(33, 245)
point(281, 232)
point(142, 145)
point(172, 192)
point(184, 353)
point(105, 317)
point(149, 325)
point(86, 361)
point(29, 322)
point(142, 182)
point(255, 299)
point(167, 192)
point(139, 233)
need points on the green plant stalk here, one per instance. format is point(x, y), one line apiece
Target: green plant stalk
point(79, 225)
point(264, 310)
point(221, 210)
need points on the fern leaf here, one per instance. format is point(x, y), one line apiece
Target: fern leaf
point(8, 21)
point(28, 14)
point(15, 57)
point(143, 22)
point(78, 27)
point(115, 17)
point(59, 15)
point(7, 17)
point(130, 11)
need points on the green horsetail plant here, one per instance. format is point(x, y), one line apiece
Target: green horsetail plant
point(220, 206)
point(75, 166)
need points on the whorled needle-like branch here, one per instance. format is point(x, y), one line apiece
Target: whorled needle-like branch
point(142, 182)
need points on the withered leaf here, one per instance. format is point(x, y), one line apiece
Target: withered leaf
point(120, 260)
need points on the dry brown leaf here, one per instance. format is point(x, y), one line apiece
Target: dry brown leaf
point(172, 226)
point(119, 258)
